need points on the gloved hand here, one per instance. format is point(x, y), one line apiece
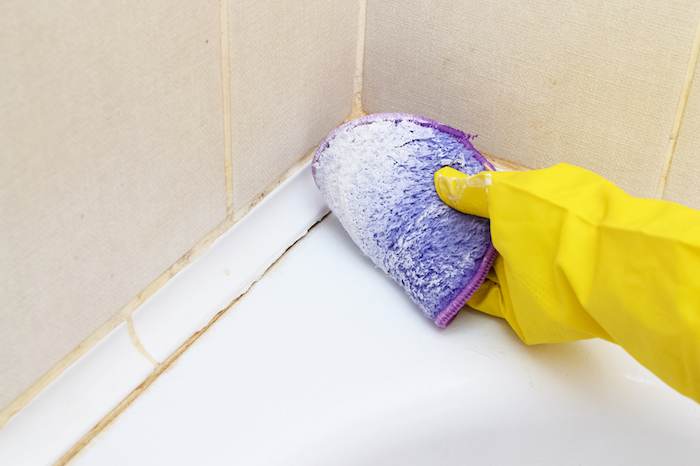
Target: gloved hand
point(580, 258)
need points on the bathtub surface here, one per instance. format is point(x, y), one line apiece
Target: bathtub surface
point(325, 361)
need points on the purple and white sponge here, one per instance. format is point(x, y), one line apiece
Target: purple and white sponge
point(376, 174)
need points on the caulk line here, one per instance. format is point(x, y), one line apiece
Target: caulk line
point(115, 412)
point(680, 114)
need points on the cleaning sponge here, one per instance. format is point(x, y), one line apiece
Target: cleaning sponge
point(376, 174)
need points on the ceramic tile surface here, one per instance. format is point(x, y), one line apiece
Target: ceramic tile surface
point(325, 361)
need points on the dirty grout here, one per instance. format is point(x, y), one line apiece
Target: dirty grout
point(225, 64)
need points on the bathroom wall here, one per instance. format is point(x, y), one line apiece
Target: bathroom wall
point(131, 130)
point(601, 84)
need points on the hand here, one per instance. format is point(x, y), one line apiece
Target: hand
point(580, 258)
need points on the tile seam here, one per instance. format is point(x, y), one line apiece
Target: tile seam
point(358, 77)
point(682, 104)
point(225, 64)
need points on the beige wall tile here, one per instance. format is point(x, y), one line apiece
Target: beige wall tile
point(683, 182)
point(111, 163)
point(588, 82)
point(291, 82)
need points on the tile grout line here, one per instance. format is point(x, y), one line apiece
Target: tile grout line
point(137, 343)
point(358, 77)
point(159, 369)
point(226, 102)
point(680, 114)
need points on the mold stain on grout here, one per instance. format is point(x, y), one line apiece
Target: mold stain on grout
point(159, 369)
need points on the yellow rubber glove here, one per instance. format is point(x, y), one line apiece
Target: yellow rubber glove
point(580, 258)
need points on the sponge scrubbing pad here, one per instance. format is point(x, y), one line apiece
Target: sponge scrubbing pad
point(376, 174)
